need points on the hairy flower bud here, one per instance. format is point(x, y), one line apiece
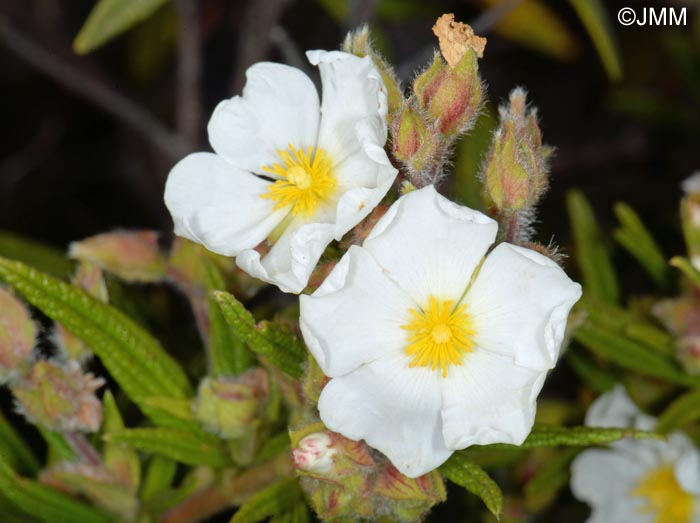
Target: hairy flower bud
point(515, 173)
point(231, 406)
point(415, 141)
point(359, 43)
point(17, 337)
point(60, 397)
point(690, 217)
point(132, 255)
point(315, 454)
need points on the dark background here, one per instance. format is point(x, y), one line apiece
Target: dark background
point(86, 143)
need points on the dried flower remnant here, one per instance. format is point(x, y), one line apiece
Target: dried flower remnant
point(456, 38)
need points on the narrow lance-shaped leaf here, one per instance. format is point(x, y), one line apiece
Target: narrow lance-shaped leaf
point(631, 355)
point(160, 474)
point(192, 448)
point(271, 501)
point(36, 254)
point(639, 242)
point(594, 17)
point(461, 471)
point(687, 269)
point(44, 502)
point(110, 18)
point(592, 256)
point(123, 462)
point(683, 410)
point(133, 357)
point(277, 343)
point(15, 450)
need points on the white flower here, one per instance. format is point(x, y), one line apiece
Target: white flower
point(637, 481)
point(423, 360)
point(287, 169)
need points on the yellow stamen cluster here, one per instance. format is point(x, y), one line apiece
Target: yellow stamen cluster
point(664, 497)
point(440, 334)
point(305, 180)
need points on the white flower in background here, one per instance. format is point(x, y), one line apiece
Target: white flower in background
point(429, 350)
point(287, 169)
point(637, 481)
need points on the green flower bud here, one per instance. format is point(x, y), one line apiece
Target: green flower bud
point(133, 256)
point(60, 398)
point(359, 43)
point(415, 142)
point(515, 173)
point(232, 406)
point(17, 337)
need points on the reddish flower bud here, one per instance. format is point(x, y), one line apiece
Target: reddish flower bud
point(17, 337)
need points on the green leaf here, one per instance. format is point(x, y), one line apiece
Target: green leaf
point(555, 436)
point(45, 503)
point(599, 278)
point(192, 448)
point(459, 470)
point(274, 341)
point(59, 448)
point(271, 501)
point(630, 354)
point(171, 413)
point(683, 410)
point(110, 18)
point(121, 461)
point(299, 514)
point(542, 488)
point(158, 478)
point(36, 254)
point(15, 451)
point(639, 242)
point(132, 356)
point(687, 269)
point(595, 19)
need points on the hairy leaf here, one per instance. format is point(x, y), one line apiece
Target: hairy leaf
point(271, 501)
point(463, 472)
point(274, 341)
point(133, 357)
point(192, 448)
point(121, 461)
point(15, 451)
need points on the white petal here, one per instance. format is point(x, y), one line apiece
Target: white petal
point(365, 177)
point(219, 205)
point(352, 91)
point(687, 470)
point(519, 302)
point(604, 478)
point(430, 245)
point(488, 399)
point(394, 408)
point(292, 259)
point(613, 409)
point(355, 317)
point(279, 107)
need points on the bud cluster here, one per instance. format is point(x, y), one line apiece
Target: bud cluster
point(345, 479)
point(17, 338)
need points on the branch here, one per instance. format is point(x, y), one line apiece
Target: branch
point(94, 90)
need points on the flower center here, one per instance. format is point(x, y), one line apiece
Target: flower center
point(440, 333)
point(663, 497)
point(305, 180)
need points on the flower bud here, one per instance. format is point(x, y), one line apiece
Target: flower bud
point(415, 142)
point(408, 499)
point(232, 406)
point(688, 354)
point(315, 454)
point(90, 278)
point(690, 217)
point(515, 173)
point(60, 398)
point(17, 337)
point(452, 96)
point(95, 483)
point(133, 256)
point(358, 42)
